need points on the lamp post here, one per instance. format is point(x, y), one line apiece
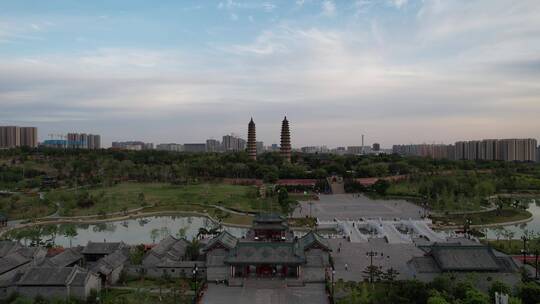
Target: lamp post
point(467, 226)
point(372, 254)
point(333, 274)
point(536, 264)
point(195, 271)
point(524, 250)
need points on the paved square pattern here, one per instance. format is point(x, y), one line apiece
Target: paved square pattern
point(348, 206)
point(354, 256)
point(260, 294)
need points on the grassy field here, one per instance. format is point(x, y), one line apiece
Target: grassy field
point(507, 246)
point(161, 197)
point(25, 207)
point(492, 217)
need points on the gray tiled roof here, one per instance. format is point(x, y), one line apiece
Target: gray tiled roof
point(170, 246)
point(226, 239)
point(68, 257)
point(424, 265)
point(29, 252)
point(46, 276)
point(112, 261)
point(101, 247)
point(268, 218)
point(12, 261)
point(265, 252)
point(464, 258)
point(7, 247)
point(312, 238)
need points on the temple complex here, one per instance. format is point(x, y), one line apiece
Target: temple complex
point(252, 141)
point(269, 250)
point(285, 148)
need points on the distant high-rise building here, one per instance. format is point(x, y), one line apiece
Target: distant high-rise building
point(497, 149)
point(195, 148)
point(435, 151)
point(356, 150)
point(14, 136)
point(10, 137)
point(213, 145)
point(252, 141)
point(260, 147)
point(376, 147)
point(28, 137)
point(170, 147)
point(285, 147)
point(538, 154)
point(315, 149)
point(229, 142)
point(132, 145)
point(233, 143)
point(83, 141)
point(241, 144)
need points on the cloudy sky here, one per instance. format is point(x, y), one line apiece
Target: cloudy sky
point(399, 71)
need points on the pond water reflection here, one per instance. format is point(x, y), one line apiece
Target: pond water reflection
point(142, 230)
point(517, 230)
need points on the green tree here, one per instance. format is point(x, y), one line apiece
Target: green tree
point(499, 287)
point(390, 275)
point(141, 199)
point(136, 254)
point(529, 293)
point(372, 273)
point(154, 234)
point(193, 249)
point(381, 186)
point(473, 296)
point(437, 299)
point(181, 234)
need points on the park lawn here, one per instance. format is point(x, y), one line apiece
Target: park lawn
point(27, 207)
point(506, 246)
point(126, 196)
point(227, 218)
point(484, 218)
point(403, 188)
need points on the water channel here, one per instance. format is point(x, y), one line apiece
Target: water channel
point(149, 230)
point(518, 229)
point(146, 230)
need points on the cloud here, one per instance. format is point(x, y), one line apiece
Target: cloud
point(436, 71)
point(398, 3)
point(268, 7)
point(328, 8)
point(13, 30)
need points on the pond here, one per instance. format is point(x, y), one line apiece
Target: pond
point(533, 225)
point(144, 230)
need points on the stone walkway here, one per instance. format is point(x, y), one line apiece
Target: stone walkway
point(265, 294)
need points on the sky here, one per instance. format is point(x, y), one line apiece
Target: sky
point(398, 71)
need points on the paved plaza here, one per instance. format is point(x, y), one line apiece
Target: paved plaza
point(349, 206)
point(265, 293)
point(354, 255)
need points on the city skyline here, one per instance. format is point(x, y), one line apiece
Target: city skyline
point(397, 71)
